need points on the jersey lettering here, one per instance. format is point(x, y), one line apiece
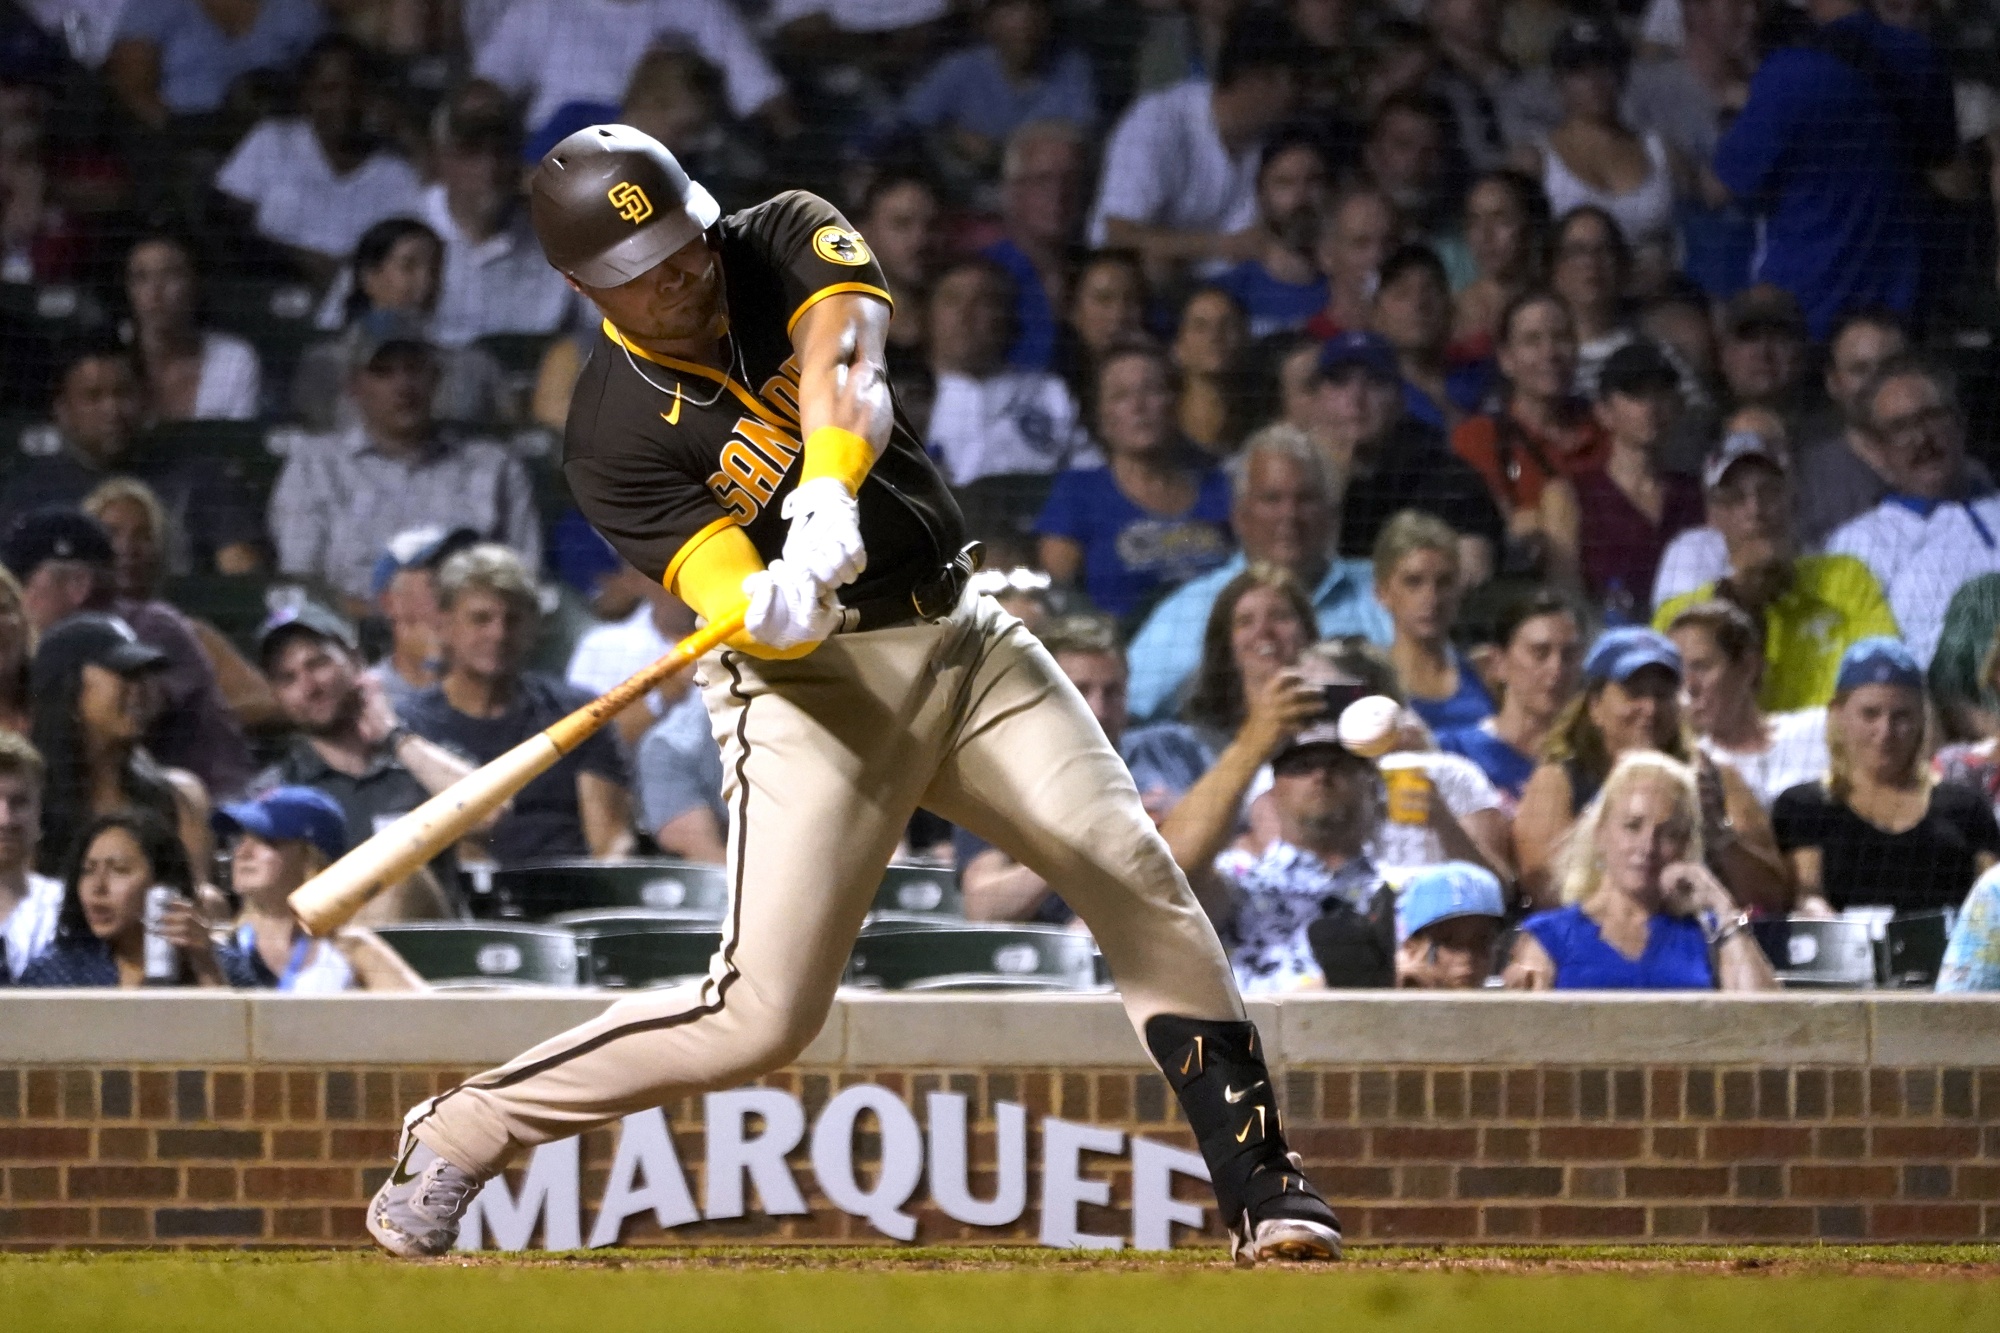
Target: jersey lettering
point(773, 443)
point(733, 498)
point(742, 465)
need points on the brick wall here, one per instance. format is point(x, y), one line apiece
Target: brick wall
point(232, 1154)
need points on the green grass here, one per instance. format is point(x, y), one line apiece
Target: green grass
point(1740, 1290)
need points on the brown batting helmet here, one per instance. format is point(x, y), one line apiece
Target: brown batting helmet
point(609, 202)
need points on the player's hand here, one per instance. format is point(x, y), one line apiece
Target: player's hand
point(788, 607)
point(824, 538)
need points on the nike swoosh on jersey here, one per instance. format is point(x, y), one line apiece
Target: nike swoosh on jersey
point(673, 418)
point(1232, 1096)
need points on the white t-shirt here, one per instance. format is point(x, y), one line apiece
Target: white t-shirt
point(1797, 754)
point(607, 654)
point(1166, 166)
point(585, 50)
point(1697, 557)
point(280, 171)
point(31, 926)
point(502, 284)
point(1922, 560)
point(1014, 421)
point(1399, 849)
point(232, 380)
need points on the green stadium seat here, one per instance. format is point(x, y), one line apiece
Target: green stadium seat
point(517, 353)
point(626, 951)
point(236, 604)
point(543, 889)
point(459, 956)
point(1822, 954)
point(275, 314)
point(1913, 949)
point(912, 892)
point(965, 957)
point(243, 449)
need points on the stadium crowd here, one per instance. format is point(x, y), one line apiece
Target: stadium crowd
point(1609, 386)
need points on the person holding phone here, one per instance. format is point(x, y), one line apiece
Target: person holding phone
point(102, 931)
point(1640, 909)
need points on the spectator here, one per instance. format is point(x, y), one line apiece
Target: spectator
point(64, 560)
point(349, 743)
point(1590, 269)
point(990, 420)
point(404, 584)
point(177, 58)
point(1327, 806)
point(43, 238)
point(1106, 311)
point(1681, 319)
point(1593, 157)
point(1630, 703)
point(1405, 158)
point(393, 293)
point(1355, 235)
point(1417, 580)
point(494, 279)
point(1391, 460)
point(1441, 807)
point(1260, 623)
point(1811, 606)
point(1689, 97)
point(678, 773)
point(1180, 170)
point(1041, 208)
point(1208, 351)
point(1537, 437)
point(1846, 475)
point(1700, 555)
point(1448, 922)
point(340, 498)
point(899, 216)
point(1165, 760)
point(1722, 656)
point(1961, 673)
point(485, 704)
point(276, 843)
point(1283, 505)
point(1279, 289)
point(1150, 519)
point(1506, 233)
point(1412, 313)
point(1474, 77)
point(553, 52)
point(1972, 954)
point(1537, 671)
point(1642, 911)
point(1878, 830)
point(92, 703)
point(29, 902)
point(974, 98)
point(315, 182)
point(1630, 508)
point(136, 525)
point(1828, 151)
point(610, 653)
point(1762, 351)
point(213, 524)
point(683, 101)
point(1931, 533)
point(188, 372)
point(101, 931)
point(17, 650)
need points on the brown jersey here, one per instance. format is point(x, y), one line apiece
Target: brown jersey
point(659, 452)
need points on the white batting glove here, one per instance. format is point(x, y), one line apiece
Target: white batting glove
point(788, 607)
point(825, 534)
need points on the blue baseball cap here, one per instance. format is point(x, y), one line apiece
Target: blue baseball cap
point(418, 548)
point(1441, 892)
point(1878, 660)
point(285, 813)
point(1618, 653)
point(1358, 347)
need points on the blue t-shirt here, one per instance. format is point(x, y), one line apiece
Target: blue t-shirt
point(1504, 766)
point(1676, 956)
point(199, 61)
point(1272, 306)
point(1034, 318)
point(1820, 156)
point(1470, 706)
point(969, 90)
point(1129, 554)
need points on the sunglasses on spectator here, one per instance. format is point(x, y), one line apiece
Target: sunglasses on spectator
point(1312, 759)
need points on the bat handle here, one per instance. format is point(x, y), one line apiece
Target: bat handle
point(573, 730)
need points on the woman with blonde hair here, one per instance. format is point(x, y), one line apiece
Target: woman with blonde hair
point(1879, 830)
point(17, 650)
point(1640, 909)
point(1417, 575)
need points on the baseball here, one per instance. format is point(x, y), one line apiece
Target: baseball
point(1368, 726)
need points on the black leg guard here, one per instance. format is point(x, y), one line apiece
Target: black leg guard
point(1218, 1071)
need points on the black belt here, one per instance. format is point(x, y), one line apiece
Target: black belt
point(932, 599)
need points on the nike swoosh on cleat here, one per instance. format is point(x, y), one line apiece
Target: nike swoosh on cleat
point(1232, 1096)
point(399, 1176)
point(673, 418)
point(1246, 1131)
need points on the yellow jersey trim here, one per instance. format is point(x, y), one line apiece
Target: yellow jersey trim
point(688, 549)
point(865, 288)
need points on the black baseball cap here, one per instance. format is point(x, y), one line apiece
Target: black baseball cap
point(94, 638)
point(302, 618)
point(1636, 369)
point(1587, 42)
point(53, 534)
point(610, 202)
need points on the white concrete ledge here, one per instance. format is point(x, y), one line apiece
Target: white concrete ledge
point(888, 1030)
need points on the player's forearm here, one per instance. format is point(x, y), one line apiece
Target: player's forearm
point(844, 406)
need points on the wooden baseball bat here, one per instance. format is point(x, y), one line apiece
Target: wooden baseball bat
point(329, 900)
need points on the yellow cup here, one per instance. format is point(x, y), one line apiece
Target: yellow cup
point(1409, 795)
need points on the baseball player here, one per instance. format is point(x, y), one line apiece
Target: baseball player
point(735, 436)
